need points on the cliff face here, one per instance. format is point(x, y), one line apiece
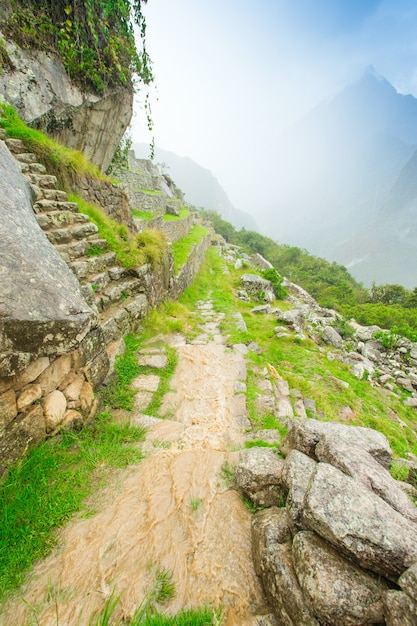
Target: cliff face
point(40, 90)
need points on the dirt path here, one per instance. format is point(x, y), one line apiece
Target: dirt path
point(174, 510)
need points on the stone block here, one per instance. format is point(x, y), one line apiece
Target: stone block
point(86, 398)
point(26, 431)
point(54, 408)
point(52, 377)
point(31, 373)
point(73, 390)
point(28, 396)
point(337, 591)
point(8, 407)
point(258, 476)
point(268, 528)
point(96, 371)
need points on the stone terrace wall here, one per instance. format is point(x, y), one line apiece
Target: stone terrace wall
point(110, 197)
point(177, 229)
point(53, 386)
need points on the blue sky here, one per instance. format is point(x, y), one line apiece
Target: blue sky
point(231, 75)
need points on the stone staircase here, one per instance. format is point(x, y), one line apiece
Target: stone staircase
point(115, 293)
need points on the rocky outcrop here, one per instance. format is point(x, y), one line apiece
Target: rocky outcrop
point(346, 539)
point(42, 309)
point(40, 90)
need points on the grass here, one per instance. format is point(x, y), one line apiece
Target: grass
point(120, 394)
point(228, 474)
point(182, 249)
point(195, 503)
point(302, 364)
point(51, 484)
point(131, 250)
point(145, 216)
point(63, 162)
point(184, 212)
point(260, 443)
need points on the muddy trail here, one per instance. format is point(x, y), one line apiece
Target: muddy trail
point(174, 511)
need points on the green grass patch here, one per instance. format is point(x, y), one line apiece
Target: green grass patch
point(201, 617)
point(182, 249)
point(131, 250)
point(144, 216)
point(260, 443)
point(63, 162)
point(51, 484)
point(184, 212)
point(120, 395)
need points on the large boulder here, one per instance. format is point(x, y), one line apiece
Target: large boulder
point(269, 527)
point(336, 590)
point(332, 337)
point(296, 474)
point(39, 88)
point(360, 524)
point(358, 463)
point(282, 589)
point(258, 476)
point(42, 310)
point(399, 609)
point(258, 287)
point(305, 434)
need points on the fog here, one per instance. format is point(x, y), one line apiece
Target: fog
point(233, 79)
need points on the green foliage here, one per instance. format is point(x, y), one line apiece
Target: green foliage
point(259, 443)
point(387, 338)
point(276, 279)
point(131, 250)
point(399, 471)
point(228, 474)
point(94, 39)
point(46, 488)
point(64, 163)
point(201, 617)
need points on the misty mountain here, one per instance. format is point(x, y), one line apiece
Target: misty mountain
point(200, 186)
point(336, 167)
point(385, 251)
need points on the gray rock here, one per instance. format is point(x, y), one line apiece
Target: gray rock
point(399, 609)
point(270, 435)
point(359, 523)
point(405, 383)
point(296, 475)
point(258, 476)
point(294, 318)
point(258, 287)
point(262, 309)
point(240, 322)
point(336, 590)
point(359, 464)
point(359, 364)
point(268, 528)
point(281, 587)
point(45, 98)
point(372, 350)
point(365, 333)
point(332, 337)
point(42, 310)
point(408, 581)
point(304, 435)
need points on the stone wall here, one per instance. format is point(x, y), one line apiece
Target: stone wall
point(87, 310)
point(109, 196)
point(177, 229)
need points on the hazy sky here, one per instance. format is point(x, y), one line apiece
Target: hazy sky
point(231, 75)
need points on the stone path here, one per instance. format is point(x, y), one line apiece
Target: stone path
point(175, 510)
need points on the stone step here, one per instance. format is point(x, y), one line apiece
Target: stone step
point(116, 292)
point(43, 206)
point(33, 168)
point(66, 235)
point(74, 250)
point(60, 219)
point(54, 194)
point(95, 242)
point(26, 157)
point(45, 181)
point(15, 145)
point(85, 267)
point(118, 319)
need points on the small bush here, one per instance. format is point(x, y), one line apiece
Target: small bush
point(276, 280)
